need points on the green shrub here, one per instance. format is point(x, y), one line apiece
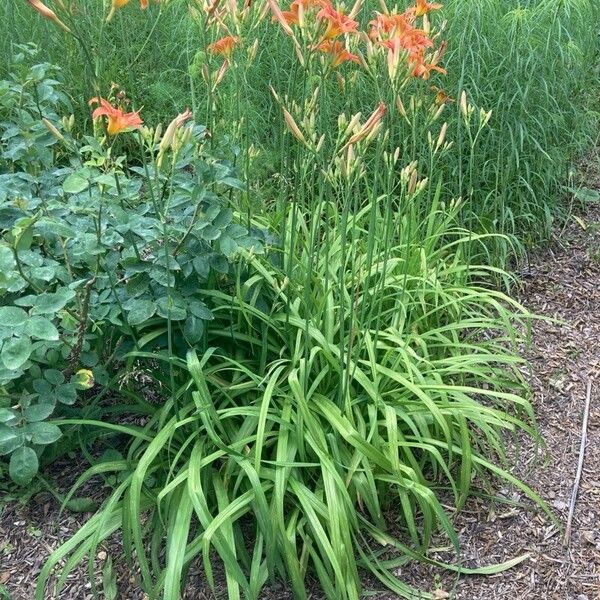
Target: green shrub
point(97, 257)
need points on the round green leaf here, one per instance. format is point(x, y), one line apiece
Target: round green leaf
point(23, 465)
point(193, 330)
point(7, 415)
point(43, 433)
point(41, 328)
point(38, 412)
point(74, 184)
point(171, 308)
point(15, 352)
point(11, 316)
point(140, 311)
point(10, 439)
point(54, 376)
point(66, 393)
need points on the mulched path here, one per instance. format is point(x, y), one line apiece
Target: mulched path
point(562, 283)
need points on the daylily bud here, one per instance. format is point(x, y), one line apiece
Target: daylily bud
point(252, 51)
point(355, 9)
point(464, 106)
point(47, 13)
point(442, 136)
point(438, 112)
point(220, 74)
point(174, 125)
point(299, 53)
point(412, 184)
point(484, 116)
point(187, 135)
point(292, 126)
point(157, 134)
point(53, 130)
point(354, 121)
point(348, 163)
point(400, 107)
point(320, 143)
point(278, 14)
point(369, 125)
point(67, 123)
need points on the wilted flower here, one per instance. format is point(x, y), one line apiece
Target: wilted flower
point(84, 379)
point(224, 46)
point(441, 97)
point(174, 125)
point(422, 68)
point(118, 120)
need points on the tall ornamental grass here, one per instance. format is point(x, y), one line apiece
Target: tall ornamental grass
point(530, 63)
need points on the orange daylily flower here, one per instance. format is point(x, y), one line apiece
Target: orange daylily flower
point(337, 22)
point(423, 7)
point(122, 3)
point(292, 16)
point(338, 52)
point(117, 4)
point(118, 120)
point(391, 25)
point(224, 46)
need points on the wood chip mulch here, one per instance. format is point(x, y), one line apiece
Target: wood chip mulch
point(562, 283)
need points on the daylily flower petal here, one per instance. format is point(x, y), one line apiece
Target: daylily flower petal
point(118, 120)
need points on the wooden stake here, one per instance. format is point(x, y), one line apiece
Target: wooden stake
point(586, 414)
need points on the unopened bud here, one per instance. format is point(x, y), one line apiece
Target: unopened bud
point(464, 105)
point(157, 134)
point(442, 136)
point(53, 130)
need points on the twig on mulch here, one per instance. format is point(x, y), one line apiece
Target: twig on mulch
point(586, 414)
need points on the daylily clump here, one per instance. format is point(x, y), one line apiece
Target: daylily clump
point(405, 35)
point(118, 120)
